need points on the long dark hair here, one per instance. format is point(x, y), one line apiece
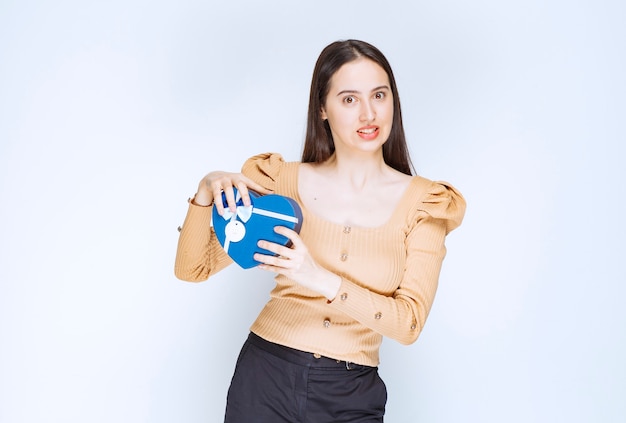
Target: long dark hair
point(318, 141)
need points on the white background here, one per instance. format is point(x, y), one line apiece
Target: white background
point(110, 113)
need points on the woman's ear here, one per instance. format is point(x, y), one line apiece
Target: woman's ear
point(323, 114)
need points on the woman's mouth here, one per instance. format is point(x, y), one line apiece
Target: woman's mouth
point(368, 132)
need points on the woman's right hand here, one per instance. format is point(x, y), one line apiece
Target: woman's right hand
point(213, 184)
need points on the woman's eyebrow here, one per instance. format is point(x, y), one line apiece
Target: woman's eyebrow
point(381, 87)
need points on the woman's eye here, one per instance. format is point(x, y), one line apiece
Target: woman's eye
point(379, 95)
point(349, 99)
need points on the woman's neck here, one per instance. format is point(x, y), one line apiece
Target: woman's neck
point(357, 171)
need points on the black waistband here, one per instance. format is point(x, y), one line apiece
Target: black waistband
point(301, 357)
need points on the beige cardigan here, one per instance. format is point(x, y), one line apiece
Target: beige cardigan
point(389, 273)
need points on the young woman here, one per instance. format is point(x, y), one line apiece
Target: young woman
point(365, 264)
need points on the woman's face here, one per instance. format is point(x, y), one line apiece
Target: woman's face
point(359, 106)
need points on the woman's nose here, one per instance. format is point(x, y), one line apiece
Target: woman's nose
point(368, 113)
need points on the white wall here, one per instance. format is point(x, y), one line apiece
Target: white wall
point(110, 112)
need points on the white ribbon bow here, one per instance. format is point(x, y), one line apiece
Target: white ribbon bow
point(243, 212)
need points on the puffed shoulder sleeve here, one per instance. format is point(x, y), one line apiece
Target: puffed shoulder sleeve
point(264, 169)
point(444, 202)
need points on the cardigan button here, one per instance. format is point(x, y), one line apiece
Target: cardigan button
point(378, 315)
point(326, 323)
point(344, 296)
point(346, 229)
point(344, 257)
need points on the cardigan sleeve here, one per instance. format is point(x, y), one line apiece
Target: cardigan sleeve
point(402, 315)
point(445, 203)
point(199, 253)
point(264, 169)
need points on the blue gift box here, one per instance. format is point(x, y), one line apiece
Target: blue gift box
point(239, 232)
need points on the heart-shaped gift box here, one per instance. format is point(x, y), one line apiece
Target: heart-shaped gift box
point(239, 232)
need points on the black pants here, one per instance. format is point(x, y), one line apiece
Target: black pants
point(277, 384)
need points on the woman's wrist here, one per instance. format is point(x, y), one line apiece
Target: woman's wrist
point(332, 287)
point(202, 199)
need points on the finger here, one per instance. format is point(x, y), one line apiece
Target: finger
point(269, 268)
point(272, 247)
point(291, 235)
point(245, 195)
point(217, 200)
point(255, 187)
point(229, 192)
point(273, 263)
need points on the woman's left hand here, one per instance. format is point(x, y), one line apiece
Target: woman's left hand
point(296, 263)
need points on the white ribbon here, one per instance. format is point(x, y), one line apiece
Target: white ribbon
point(275, 215)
